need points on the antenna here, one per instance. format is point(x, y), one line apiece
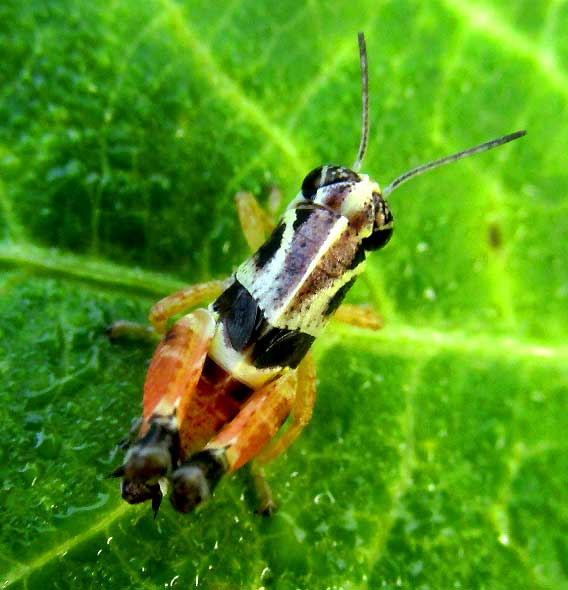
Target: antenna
point(453, 158)
point(365, 98)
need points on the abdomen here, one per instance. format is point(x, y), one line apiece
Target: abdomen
point(216, 400)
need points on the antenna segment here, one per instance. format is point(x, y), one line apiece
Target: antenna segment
point(365, 98)
point(453, 158)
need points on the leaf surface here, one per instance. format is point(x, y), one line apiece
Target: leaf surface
point(436, 457)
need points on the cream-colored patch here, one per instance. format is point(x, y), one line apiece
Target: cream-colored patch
point(236, 363)
point(360, 197)
point(259, 282)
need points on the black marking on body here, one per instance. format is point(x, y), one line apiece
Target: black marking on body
point(281, 347)
point(302, 215)
point(239, 313)
point(267, 251)
point(378, 239)
point(324, 176)
point(246, 326)
point(358, 257)
point(336, 300)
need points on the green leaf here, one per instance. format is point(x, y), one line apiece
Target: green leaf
point(436, 457)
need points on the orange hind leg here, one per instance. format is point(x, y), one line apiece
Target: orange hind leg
point(172, 377)
point(248, 436)
point(301, 415)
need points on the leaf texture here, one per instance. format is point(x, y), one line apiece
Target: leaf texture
point(436, 457)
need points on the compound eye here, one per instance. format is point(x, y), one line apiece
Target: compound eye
point(324, 176)
point(378, 239)
point(382, 230)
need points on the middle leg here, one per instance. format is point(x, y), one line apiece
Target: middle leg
point(360, 316)
point(165, 309)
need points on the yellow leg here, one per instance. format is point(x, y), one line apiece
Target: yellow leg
point(183, 300)
point(302, 408)
point(255, 222)
point(362, 316)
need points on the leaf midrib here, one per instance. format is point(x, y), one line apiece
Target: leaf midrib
point(23, 570)
point(399, 337)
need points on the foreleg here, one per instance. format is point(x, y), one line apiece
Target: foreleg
point(255, 222)
point(183, 300)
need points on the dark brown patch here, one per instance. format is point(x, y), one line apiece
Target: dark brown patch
point(333, 264)
point(495, 236)
point(336, 195)
point(281, 348)
point(362, 218)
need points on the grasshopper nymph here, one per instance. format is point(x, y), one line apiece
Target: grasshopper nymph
point(224, 379)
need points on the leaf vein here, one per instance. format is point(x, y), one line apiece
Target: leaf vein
point(407, 465)
point(229, 89)
point(407, 339)
point(25, 570)
point(492, 24)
